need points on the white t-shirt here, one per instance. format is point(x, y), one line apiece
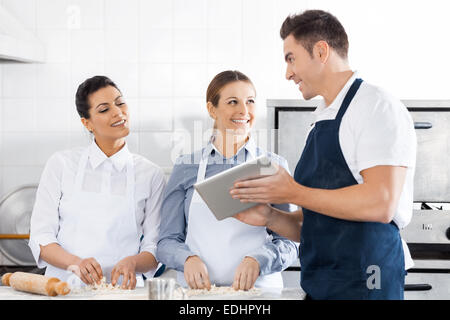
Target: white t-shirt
point(376, 129)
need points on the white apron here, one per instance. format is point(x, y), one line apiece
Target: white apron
point(98, 225)
point(222, 245)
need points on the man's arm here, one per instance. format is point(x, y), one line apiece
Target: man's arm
point(286, 224)
point(374, 200)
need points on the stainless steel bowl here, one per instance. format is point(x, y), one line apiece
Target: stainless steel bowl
point(15, 215)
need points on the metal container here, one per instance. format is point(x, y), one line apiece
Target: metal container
point(164, 289)
point(15, 214)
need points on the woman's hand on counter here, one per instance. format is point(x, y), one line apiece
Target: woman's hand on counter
point(196, 273)
point(89, 270)
point(246, 274)
point(127, 269)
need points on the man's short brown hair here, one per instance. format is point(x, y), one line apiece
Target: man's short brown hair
point(312, 26)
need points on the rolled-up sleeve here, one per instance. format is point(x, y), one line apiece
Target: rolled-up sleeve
point(44, 223)
point(172, 250)
point(275, 255)
point(152, 217)
point(279, 253)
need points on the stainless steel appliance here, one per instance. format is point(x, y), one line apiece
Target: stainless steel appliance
point(428, 234)
point(15, 214)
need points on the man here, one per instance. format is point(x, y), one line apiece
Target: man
point(354, 180)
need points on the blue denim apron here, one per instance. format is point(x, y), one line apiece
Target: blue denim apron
point(343, 259)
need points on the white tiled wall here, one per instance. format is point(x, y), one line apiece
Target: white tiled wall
point(163, 53)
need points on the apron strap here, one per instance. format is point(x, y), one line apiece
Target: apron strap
point(131, 184)
point(205, 155)
point(348, 98)
point(106, 177)
point(204, 162)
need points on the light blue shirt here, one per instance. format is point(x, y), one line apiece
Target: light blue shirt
point(172, 250)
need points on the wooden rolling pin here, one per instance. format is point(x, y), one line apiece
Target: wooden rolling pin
point(35, 283)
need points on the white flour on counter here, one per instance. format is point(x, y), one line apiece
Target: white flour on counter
point(105, 290)
point(220, 291)
point(101, 288)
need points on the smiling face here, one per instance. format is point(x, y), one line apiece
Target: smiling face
point(303, 69)
point(108, 114)
point(235, 111)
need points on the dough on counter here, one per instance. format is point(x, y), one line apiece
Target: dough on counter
point(102, 287)
point(225, 290)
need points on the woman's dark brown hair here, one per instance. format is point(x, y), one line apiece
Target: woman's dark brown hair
point(220, 81)
point(88, 87)
point(312, 26)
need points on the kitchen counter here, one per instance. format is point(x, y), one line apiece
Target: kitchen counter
point(7, 293)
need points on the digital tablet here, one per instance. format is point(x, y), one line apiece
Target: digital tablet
point(215, 190)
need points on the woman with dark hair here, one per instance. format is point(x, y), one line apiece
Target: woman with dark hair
point(97, 208)
point(192, 241)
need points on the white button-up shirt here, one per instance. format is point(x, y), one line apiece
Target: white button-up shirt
point(58, 180)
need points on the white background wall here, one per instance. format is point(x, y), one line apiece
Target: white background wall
point(162, 54)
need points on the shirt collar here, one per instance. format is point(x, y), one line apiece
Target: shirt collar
point(336, 104)
point(119, 159)
point(249, 146)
